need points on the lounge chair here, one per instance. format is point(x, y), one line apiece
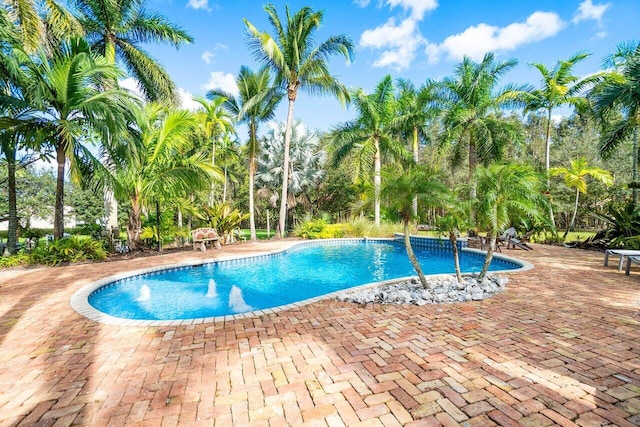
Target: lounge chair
point(509, 238)
point(630, 260)
point(622, 253)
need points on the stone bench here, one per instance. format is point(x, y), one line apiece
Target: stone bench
point(201, 236)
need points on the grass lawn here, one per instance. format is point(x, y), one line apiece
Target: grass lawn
point(260, 234)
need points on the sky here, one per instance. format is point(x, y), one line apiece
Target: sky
point(410, 39)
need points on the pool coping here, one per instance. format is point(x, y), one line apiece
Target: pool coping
point(79, 301)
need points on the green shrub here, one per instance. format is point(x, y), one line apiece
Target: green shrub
point(68, 249)
point(310, 229)
point(17, 260)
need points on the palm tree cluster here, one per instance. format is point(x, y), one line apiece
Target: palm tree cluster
point(399, 158)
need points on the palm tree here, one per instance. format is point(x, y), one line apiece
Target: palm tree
point(455, 219)
point(300, 64)
point(558, 87)
point(617, 104)
point(369, 136)
point(157, 163)
point(63, 89)
point(415, 111)
point(215, 123)
point(510, 192)
point(118, 28)
point(256, 103)
point(575, 176)
point(306, 164)
point(401, 186)
point(471, 105)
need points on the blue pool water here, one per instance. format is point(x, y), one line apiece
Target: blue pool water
point(297, 274)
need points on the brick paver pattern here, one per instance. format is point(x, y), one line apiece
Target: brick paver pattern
point(561, 346)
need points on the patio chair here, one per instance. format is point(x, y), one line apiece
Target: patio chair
point(631, 260)
point(509, 238)
point(622, 253)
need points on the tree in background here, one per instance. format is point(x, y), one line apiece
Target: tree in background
point(300, 64)
point(575, 176)
point(256, 103)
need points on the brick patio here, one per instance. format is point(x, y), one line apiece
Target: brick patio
point(561, 346)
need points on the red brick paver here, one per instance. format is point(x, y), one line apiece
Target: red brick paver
point(560, 346)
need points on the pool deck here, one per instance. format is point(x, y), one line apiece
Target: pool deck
point(560, 346)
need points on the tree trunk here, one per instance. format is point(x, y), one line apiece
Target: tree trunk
point(158, 226)
point(213, 163)
point(134, 225)
point(281, 232)
point(547, 162)
point(573, 217)
point(488, 257)
point(635, 168)
point(252, 215)
point(456, 258)
point(412, 256)
point(58, 218)
point(416, 159)
point(12, 232)
point(377, 180)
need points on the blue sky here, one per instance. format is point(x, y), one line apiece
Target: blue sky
point(411, 39)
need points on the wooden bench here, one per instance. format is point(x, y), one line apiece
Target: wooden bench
point(201, 236)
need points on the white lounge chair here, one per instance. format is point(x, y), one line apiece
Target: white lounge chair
point(630, 260)
point(509, 238)
point(622, 253)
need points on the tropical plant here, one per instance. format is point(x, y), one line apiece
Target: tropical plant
point(224, 219)
point(575, 176)
point(64, 90)
point(510, 192)
point(454, 221)
point(300, 64)
point(215, 123)
point(157, 163)
point(558, 87)
point(370, 136)
point(617, 104)
point(68, 249)
point(256, 103)
point(399, 190)
point(306, 161)
point(118, 28)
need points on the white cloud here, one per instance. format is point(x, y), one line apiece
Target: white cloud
point(601, 34)
point(399, 42)
point(186, 100)
point(224, 81)
point(417, 7)
point(479, 39)
point(133, 86)
point(207, 55)
point(199, 4)
point(588, 10)
point(362, 3)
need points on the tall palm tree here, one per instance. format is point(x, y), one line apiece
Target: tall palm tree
point(471, 103)
point(63, 89)
point(617, 104)
point(401, 186)
point(575, 176)
point(300, 64)
point(118, 28)
point(256, 103)
point(416, 110)
point(369, 136)
point(558, 86)
point(510, 192)
point(215, 122)
point(157, 163)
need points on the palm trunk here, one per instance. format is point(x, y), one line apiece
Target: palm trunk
point(547, 162)
point(58, 218)
point(635, 168)
point(158, 226)
point(133, 227)
point(489, 256)
point(377, 180)
point(282, 223)
point(252, 217)
point(573, 217)
point(456, 258)
point(416, 159)
point(12, 232)
point(224, 185)
point(412, 256)
point(213, 163)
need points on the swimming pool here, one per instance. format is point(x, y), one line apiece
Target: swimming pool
point(302, 273)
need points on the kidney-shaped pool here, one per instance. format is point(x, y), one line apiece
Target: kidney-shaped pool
point(303, 272)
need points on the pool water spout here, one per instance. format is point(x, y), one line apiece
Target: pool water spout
point(236, 301)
